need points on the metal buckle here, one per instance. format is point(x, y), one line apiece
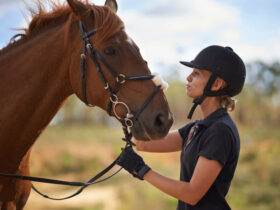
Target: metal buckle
point(120, 78)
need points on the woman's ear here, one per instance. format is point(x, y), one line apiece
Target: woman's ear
point(218, 84)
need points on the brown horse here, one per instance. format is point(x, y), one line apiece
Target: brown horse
point(42, 69)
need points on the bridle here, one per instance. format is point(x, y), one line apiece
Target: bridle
point(127, 121)
point(120, 79)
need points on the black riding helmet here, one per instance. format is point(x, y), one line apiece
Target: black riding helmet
point(223, 62)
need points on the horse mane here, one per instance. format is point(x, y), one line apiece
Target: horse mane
point(106, 21)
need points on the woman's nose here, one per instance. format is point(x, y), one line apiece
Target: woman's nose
point(189, 79)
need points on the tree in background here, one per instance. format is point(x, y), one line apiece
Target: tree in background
point(259, 101)
point(264, 77)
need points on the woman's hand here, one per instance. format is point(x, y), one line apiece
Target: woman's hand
point(133, 163)
point(140, 145)
point(170, 143)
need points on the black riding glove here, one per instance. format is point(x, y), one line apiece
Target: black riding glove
point(133, 163)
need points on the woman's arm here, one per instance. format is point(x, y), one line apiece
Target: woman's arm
point(205, 173)
point(172, 142)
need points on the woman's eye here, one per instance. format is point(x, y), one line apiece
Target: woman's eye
point(109, 51)
point(195, 73)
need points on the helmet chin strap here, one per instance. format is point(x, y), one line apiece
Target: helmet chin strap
point(196, 102)
point(206, 92)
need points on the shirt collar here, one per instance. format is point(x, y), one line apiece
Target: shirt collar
point(214, 116)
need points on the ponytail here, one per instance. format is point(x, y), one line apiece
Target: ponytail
point(228, 103)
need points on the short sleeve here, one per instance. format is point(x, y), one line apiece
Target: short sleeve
point(184, 131)
point(217, 144)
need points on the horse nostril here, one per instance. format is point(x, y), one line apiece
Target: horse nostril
point(159, 121)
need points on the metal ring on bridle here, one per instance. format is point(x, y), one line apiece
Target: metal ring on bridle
point(120, 78)
point(114, 109)
point(128, 122)
point(114, 98)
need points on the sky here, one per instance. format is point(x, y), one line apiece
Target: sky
point(168, 31)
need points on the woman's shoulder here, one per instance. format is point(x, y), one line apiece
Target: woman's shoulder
point(225, 126)
point(226, 123)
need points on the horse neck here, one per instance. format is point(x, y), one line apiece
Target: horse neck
point(34, 84)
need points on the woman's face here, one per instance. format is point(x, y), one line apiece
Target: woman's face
point(197, 80)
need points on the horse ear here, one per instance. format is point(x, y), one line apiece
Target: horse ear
point(112, 4)
point(77, 7)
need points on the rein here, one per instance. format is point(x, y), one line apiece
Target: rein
point(127, 121)
point(82, 185)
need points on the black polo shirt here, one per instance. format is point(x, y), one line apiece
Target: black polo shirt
point(215, 138)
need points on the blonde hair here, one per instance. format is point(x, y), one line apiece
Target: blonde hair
point(228, 103)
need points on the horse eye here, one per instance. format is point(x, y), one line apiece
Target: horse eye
point(109, 51)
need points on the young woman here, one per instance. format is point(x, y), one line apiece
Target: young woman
point(210, 146)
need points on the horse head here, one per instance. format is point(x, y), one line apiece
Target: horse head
point(115, 77)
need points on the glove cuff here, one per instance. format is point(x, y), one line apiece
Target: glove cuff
point(143, 171)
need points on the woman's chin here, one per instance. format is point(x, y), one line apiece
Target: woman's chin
point(192, 95)
point(189, 94)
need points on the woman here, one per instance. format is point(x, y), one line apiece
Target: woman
point(210, 147)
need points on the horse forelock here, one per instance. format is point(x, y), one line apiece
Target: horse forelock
point(106, 21)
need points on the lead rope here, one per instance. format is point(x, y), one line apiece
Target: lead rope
point(94, 180)
point(127, 138)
